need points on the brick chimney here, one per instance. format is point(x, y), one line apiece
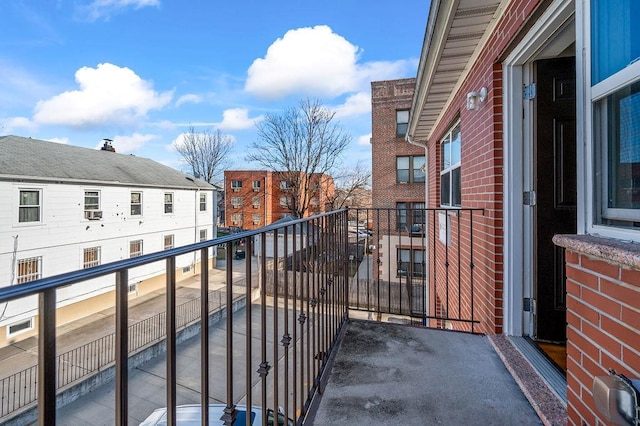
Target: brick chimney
point(107, 145)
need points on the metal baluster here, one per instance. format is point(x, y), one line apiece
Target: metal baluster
point(121, 355)
point(204, 335)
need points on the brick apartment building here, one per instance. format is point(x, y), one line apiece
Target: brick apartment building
point(398, 180)
point(256, 198)
point(554, 168)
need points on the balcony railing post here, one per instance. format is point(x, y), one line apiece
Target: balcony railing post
point(171, 340)
point(122, 347)
point(204, 334)
point(230, 412)
point(47, 358)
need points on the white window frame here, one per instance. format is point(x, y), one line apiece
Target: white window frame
point(171, 238)
point(138, 253)
point(94, 262)
point(203, 235)
point(236, 185)
point(203, 202)
point(591, 114)
point(132, 204)
point(236, 202)
point(399, 123)
point(29, 326)
point(412, 261)
point(256, 218)
point(236, 218)
point(30, 276)
point(284, 186)
point(284, 201)
point(93, 207)
point(170, 204)
point(451, 167)
point(30, 206)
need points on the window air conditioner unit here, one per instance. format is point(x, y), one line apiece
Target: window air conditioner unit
point(256, 189)
point(93, 214)
point(235, 222)
point(255, 206)
point(235, 206)
point(236, 189)
point(256, 222)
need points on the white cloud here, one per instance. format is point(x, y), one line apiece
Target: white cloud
point(63, 141)
point(105, 8)
point(190, 98)
point(8, 125)
point(108, 95)
point(364, 140)
point(357, 104)
point(124, 144)
point(317, 62)
point(237, 119)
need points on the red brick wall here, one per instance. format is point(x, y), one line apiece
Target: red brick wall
point(603, 329)
point(482, 162)
point(386, 98)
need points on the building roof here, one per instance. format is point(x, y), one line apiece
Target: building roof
point(26, 159)
point(456, 32)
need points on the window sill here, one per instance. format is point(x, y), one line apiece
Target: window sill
point(624, 253)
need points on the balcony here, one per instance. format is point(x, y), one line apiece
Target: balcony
point(312, 321)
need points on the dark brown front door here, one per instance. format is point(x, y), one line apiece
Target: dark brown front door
point(555, 211)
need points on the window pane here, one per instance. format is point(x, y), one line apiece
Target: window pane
point(29, 198)
point(615, 36)
point(29, 214)
point(401, 129)
point(402, 162)
point(455, 146)
point(403, 175)
point(402, 116)
point(445, 189)
point(446, 154)
point(456, 196)
point(135, 197)
point(624, 149)
point(402, 215)
point(418, 164)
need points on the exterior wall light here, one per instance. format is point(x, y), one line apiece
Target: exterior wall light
point(474, 99)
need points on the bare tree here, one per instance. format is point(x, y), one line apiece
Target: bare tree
point(351, 185)
point(300, 145)
point(205, 152)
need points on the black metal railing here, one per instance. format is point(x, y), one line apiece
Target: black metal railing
point(299, 321)
point(418, 264)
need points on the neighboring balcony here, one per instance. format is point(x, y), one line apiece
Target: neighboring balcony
point(348, 317)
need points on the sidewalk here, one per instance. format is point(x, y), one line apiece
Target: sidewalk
point(24, 354)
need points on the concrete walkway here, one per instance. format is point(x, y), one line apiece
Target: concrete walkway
point(389, 374)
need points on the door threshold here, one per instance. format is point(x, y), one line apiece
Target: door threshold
point(547, 369)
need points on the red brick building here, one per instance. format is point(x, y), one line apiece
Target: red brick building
point(530, 110)
point(397, 177)
point(256, 198)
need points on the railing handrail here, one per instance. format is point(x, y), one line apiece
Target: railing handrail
point(31, 288)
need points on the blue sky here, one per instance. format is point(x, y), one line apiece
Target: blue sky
point(140, 71)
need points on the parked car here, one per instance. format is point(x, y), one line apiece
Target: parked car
point(239, 254)
point(190, 414)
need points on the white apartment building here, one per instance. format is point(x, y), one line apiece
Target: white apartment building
point(65, 208)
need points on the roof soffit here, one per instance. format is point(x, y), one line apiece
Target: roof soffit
point(456, 33)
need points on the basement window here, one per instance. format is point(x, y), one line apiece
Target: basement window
point(20, 327)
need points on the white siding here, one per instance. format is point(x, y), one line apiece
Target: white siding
point(64, 233)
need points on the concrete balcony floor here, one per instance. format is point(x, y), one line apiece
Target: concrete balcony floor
point(392, 374)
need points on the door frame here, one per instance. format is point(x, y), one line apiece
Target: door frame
point(518, 151)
